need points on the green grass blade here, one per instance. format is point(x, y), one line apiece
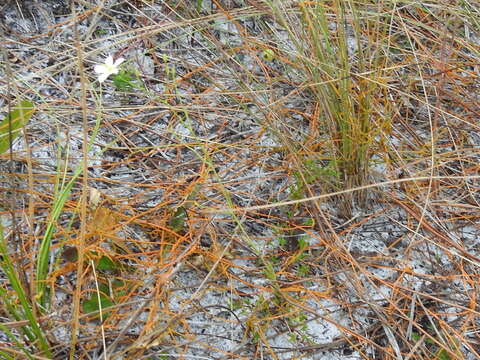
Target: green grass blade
point(7, 265)
point(14, 121)
point(13, 311)
point(58, 205)
point(44, 251)
point(19, 345)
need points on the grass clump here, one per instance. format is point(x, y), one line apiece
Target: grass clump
point(209, 197)
point(339, 47)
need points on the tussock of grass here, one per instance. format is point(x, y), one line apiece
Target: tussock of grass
point(262, 179)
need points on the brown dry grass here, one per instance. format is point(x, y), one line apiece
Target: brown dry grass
point(238, 147)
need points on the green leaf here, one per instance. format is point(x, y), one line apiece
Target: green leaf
point(308, 222)
point(415, 336)
point(19, 116)
point(105, 263)
point(124, 80)
point(177, 222)
point(103, 288)
point(269, 272)
point(302, 243)
point(303, 270)
point(118, 283)
point(443, 355)
point(101, 32)
point(92, 304)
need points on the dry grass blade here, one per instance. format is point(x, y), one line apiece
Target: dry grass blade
point(240, 179)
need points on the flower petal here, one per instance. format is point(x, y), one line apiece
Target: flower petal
point(99, 69)
point(119, 61)
point(109, 60)
point(103, 77)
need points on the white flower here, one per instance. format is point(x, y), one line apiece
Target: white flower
point(107, 69)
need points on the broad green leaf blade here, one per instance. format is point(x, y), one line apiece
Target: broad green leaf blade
point(19, 116)
point(177, 222)
point(93, 305)
point(105, 263)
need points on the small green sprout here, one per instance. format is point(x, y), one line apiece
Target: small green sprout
point(126, 80)
point(268, 54)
